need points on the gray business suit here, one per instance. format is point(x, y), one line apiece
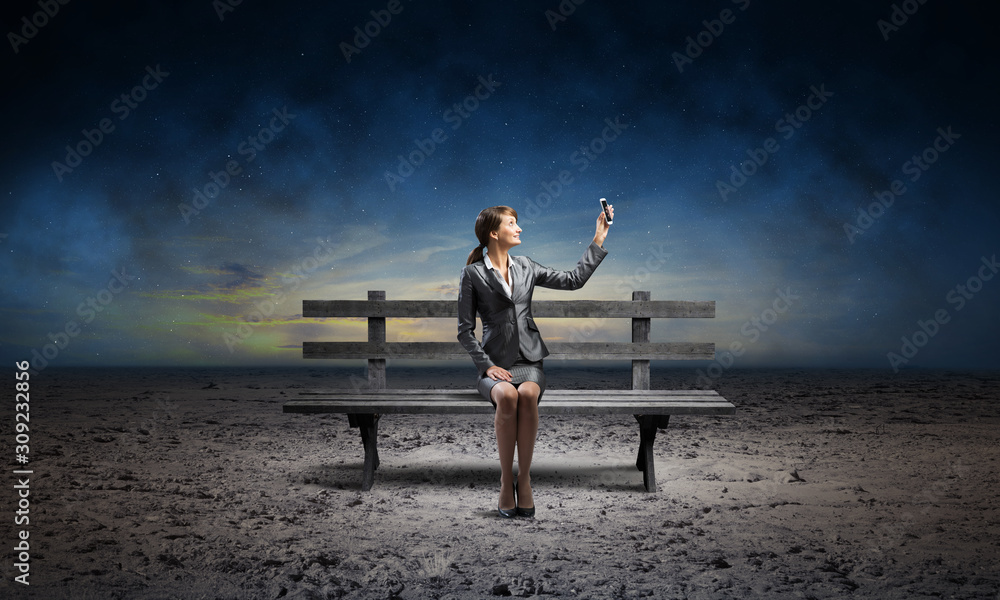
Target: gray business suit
point(507, 321)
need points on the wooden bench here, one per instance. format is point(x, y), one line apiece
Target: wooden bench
point(651, 408)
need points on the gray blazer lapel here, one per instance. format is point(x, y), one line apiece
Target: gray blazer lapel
point(492, 279)
point(518, 277)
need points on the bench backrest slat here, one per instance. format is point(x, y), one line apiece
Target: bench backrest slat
point(572, 309)
point(557, 350)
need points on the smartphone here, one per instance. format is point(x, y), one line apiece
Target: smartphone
point(607, 214)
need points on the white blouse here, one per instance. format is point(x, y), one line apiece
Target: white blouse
point(503, 282)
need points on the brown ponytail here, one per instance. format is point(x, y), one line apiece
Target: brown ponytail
point(488, 221)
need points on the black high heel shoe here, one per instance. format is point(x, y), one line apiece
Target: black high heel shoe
point(522, 512)
point(509, 513)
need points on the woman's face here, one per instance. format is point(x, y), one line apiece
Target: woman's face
point(509, 234)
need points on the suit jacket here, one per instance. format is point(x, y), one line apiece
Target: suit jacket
point(507, 321)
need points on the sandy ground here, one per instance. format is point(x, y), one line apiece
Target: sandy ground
point(194, 484)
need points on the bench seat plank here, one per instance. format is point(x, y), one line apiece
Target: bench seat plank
point(576, 407)
point(471, 393)
point(595, 402)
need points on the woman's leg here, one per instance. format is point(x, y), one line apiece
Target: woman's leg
point(505, 424)
point(527, 431)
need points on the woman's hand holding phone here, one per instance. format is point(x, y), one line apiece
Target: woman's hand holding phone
point(604, 221)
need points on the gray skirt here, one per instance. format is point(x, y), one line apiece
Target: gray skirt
point(522, 370)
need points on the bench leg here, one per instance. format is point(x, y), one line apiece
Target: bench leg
point(368, 425)
point(648, 424)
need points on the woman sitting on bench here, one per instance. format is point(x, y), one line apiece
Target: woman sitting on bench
point(498, 287)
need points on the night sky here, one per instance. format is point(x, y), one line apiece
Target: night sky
point(176, 180)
